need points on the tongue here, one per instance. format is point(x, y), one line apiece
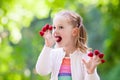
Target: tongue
point(58, 38)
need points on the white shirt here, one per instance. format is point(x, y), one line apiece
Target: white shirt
point(50, 61)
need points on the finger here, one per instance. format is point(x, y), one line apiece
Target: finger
point(96, 58)
point(101, 56)
point(50, 28)
point(90, 54)
point(41, 33)
point(103, 61)
point(48, 31)
point(84, 61)
point(45, 28)
point(99, 62)
point(47, 35)
point(96, 52)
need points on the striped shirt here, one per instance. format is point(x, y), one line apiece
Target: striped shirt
point(65, 70)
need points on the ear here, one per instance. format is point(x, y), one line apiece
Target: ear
point(75, 31)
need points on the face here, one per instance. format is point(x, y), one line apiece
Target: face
point(62, 28)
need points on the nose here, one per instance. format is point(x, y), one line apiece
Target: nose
point(55, 31)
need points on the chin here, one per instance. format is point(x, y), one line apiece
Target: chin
point(58, 45)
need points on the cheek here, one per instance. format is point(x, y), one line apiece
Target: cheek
point(53, 32)
point(66, 35)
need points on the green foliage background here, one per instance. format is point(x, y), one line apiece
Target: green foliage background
point(20, 43)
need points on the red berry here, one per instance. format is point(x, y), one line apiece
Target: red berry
point(41, 33)
point(90, 54)
point(101, 55)
point(50, 27)
point(44, 29)
point(47, 26)
point(59, 39)
point(102, 61)
point(96, 52)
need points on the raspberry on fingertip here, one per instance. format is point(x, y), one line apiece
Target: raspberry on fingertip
point(41, 33)
point(47, 26)
point(101, 55)
point(96, 52)
point(103, 61)
point(50, 27)
point(90, 54)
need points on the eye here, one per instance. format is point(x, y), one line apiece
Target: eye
point(54, 27)
point(61, 27)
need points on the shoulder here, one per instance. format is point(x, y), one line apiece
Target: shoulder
point(57, 52)
point(57, 49)
point(82, 55)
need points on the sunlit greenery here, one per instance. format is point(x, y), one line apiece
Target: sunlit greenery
point(20, 43)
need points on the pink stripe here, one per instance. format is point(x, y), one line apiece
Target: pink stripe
point(65, 69)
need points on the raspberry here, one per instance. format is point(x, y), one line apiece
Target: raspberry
point(102, 61)
point(44, 29)
point(41, 33)
point(50, 27)
point(59, 39)
point(90, 54)
point(101, 55)
point(96, 52)
point(47, 26)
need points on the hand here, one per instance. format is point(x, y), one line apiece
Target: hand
point(94, 61)
point(46, 34)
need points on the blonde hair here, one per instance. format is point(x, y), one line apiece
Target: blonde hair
point(76, 20)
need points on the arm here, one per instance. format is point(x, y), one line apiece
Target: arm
point(90, 68)
point(44, 63)
point(93, 76)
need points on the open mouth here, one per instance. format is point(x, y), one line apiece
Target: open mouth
point(58, 38)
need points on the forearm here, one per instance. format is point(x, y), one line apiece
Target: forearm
point(43, 65)
point(93, 76)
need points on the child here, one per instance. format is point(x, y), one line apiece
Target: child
point(68, 61)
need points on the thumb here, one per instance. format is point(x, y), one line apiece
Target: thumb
point(84, 61)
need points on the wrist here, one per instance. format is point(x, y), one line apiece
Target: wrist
point(48, 46)
point(90, 71)
point(49, 43)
